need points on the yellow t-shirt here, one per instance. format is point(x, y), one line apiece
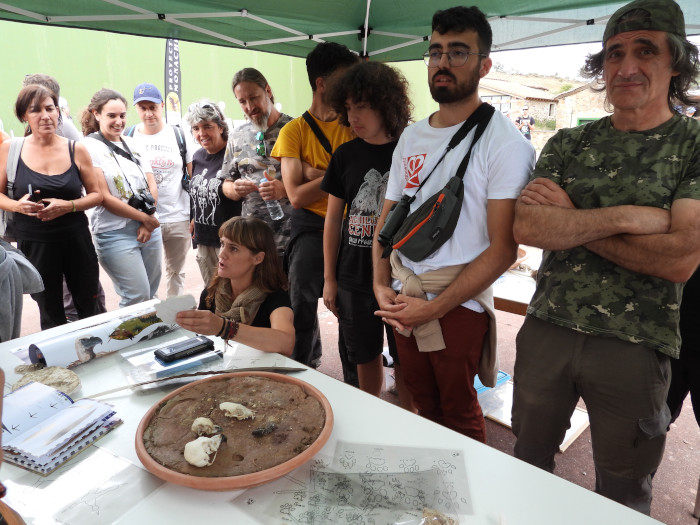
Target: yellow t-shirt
point(297, 140)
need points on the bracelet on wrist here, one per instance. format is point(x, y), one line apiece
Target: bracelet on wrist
point(223, 327)
point(73, 203)
point(232, 330)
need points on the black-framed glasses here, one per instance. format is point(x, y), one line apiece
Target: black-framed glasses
point(260, 148)
point(455, 57)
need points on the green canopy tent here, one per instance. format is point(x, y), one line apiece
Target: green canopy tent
point(387, 30)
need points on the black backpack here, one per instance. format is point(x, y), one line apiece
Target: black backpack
point(180, 137)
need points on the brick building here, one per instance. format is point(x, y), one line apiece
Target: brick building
point(555, 103)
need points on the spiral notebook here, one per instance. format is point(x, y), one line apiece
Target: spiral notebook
point(42, 428)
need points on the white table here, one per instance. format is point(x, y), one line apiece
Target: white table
point(502, 489)
point(513, 290)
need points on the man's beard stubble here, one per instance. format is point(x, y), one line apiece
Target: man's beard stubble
point(259, 122)
point(459, 91)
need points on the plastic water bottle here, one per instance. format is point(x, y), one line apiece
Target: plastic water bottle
point(273, 207)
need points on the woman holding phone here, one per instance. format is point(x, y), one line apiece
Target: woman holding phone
point(49, 175)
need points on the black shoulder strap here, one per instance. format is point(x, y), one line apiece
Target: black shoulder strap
point(485, 112)
point(114, 149)
point(71, 150)
point(180, 138)
point(317, 131)
point(481, 117)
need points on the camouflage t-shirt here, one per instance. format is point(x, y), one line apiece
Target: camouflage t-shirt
point(242, 161)
point(599, 166)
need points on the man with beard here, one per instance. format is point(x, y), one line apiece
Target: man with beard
point(305, 146)
point(443, 327)
point(251, 175)
point(615, 205)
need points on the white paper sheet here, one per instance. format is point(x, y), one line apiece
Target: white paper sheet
point(364, 483)
point(167, 309)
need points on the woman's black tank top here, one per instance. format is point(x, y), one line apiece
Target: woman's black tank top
point(67, 186)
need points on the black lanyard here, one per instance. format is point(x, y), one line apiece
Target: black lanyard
point(116, 149)
point(126, 154)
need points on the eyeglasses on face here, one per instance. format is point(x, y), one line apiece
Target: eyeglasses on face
point(260, 148)
point(456, 57)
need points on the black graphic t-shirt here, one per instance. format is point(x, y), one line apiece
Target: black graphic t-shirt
point(527, 123)
point(358, 173)
point(210, 208)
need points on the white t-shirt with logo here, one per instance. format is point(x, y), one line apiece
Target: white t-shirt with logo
point(123, 177)
point(499, 168)
point(164, 156)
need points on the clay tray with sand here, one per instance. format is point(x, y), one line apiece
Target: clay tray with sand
point(293, 420)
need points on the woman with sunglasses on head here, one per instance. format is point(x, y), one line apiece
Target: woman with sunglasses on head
point(210, 208)
point(125, 228)
point(246, 301)
point(50, 173)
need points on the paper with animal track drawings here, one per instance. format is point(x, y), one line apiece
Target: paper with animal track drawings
point(364, 483)
point(95, 487)
point(82, 345)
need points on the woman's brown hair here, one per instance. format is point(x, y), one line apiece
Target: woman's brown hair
point(97, 102)
point(31, 96)
point(257, 236)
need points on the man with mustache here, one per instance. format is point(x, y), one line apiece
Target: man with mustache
point(440, 371)
point(615, 204)
point(251, 175)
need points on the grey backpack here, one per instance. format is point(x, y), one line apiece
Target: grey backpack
point(7, 219)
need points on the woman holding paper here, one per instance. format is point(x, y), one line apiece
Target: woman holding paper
point(46, 175)
point(246, 301)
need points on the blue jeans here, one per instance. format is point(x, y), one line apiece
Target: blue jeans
point(134, 267)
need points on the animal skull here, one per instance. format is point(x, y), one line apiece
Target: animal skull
point(204, 425)
point(236, 410)
point(197, 452)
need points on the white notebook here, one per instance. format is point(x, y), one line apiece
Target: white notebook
point(43, 428)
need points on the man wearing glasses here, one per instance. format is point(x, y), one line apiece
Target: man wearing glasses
point(305, 154)
point(251, 174)
point(440, 366)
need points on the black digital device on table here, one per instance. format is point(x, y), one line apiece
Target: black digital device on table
point(182, 349)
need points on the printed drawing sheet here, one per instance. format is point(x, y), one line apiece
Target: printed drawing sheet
point(366, 484)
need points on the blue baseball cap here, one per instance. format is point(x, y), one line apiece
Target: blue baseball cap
point(147, 92)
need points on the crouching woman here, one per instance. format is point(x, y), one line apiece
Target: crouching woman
point(246, 301)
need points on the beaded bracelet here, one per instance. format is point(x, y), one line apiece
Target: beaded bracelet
point(232, 330)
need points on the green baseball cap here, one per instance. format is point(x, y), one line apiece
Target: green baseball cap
point(662, 15)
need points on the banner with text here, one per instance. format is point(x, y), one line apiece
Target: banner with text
point(173, 93)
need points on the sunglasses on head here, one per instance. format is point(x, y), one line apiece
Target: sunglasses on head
point(260, 148)
point(198, 105)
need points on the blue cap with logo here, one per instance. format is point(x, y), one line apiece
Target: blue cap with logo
point(147, 92)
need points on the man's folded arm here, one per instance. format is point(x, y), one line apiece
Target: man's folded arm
point(673, 255)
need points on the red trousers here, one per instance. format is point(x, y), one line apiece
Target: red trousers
point(442, 382)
